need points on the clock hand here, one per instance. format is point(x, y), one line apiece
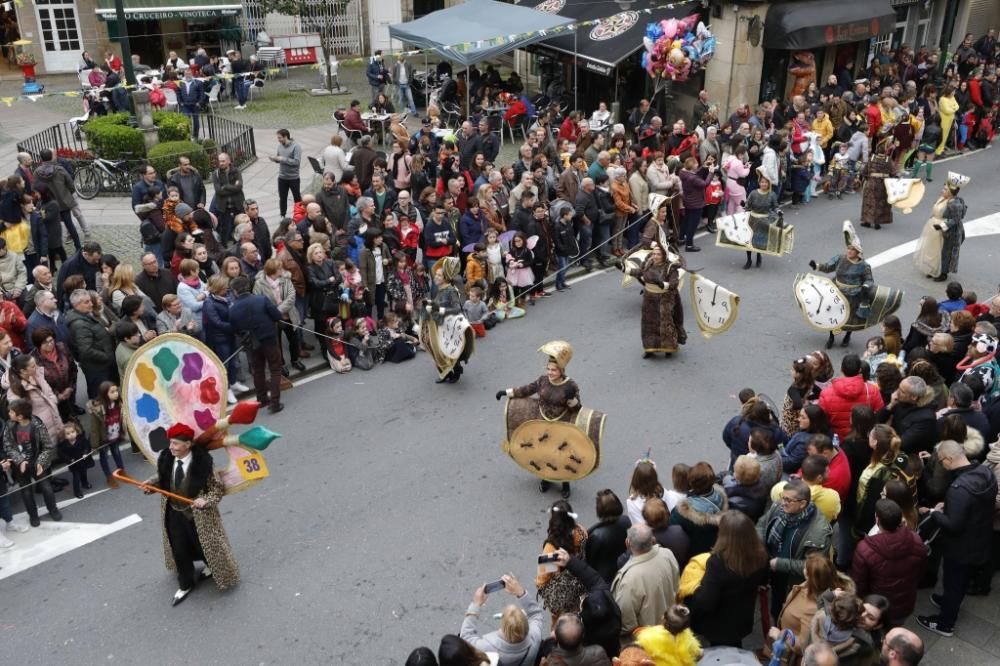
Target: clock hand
point(714, 292)
point(820, 297)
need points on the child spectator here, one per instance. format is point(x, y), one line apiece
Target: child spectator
point(336, 351)
point(679, 479)
point(673, 642)
point(645, 484)
point(475, 268)
point(73, 446)
point(476, 312)
point(29, 449)
point(839, 171)
point(399, 346)
point(954, 302)
point(106, 428)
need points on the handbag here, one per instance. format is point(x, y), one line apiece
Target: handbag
point(561, 594)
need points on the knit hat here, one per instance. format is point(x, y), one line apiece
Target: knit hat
point(183, 210)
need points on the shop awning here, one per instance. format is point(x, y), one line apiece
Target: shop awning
point(600, 47)
point(477, 30)
point(143, 10)
point(811, 24)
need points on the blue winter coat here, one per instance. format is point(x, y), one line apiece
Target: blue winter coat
point(215, 323)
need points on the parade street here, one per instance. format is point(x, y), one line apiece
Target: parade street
point(375, 526)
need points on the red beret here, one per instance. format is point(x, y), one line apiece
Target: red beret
point(181, 431)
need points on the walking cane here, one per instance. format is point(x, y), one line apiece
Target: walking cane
point(121, 476)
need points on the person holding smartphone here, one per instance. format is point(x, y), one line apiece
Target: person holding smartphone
point(520, 633)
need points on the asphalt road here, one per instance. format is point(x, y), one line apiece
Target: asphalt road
point(389, 499)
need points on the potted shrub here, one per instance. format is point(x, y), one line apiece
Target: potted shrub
point(26, 61)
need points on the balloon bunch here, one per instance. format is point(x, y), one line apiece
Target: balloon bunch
point(677, 48)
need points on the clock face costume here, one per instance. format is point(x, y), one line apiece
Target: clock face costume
point(823, 300)
point(444, 331)
point(760, 229)
point(715, 307)
point(552, 436)
point(904, 193)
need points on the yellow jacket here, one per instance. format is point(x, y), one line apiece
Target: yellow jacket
point(825, 130)
point(947, 106)
point(691, 577)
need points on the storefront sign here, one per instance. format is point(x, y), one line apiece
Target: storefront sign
point(852, 32)
point(604, 70)
point(156, 15)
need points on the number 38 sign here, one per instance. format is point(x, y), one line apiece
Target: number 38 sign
point(252, 467)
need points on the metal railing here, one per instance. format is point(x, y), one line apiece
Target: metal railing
point(60, 138)
point(230, 136)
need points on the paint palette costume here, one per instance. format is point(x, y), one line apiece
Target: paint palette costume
point(173, 379)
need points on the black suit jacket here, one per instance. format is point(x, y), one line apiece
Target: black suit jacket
point(189, 95)
point(198, 471)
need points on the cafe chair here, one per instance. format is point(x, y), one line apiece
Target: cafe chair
point(213, 97)
point(451, 115)
point(352, 134)
point(171, 96)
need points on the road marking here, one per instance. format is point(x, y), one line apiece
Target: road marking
point(984, 226)
point(50, 540)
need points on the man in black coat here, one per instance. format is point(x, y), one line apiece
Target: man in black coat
point(965, 519)
point(261, 233)
point(154, 281)
point(256, 318)
point(86, 262)
point(912, 415)
point(587, 215)
point(189, 96)
point(489, 142)
point(468, 144)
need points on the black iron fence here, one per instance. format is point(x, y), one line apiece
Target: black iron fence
point(230, 136)
point(70, 142)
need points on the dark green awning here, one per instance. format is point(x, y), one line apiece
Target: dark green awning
point(143, 10)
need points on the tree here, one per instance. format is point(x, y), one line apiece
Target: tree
point(316, 16)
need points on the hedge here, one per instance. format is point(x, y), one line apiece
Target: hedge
point(110, 136)
point(164, 157)
point(172, 126)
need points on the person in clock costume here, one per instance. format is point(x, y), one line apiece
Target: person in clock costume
point(762, 205)
point(558, 396)
point(662, 323)
point(192, 532)
point(853, 276)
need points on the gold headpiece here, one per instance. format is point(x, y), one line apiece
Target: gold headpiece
point(560, 351)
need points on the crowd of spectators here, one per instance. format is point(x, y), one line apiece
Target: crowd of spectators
point(862, 487)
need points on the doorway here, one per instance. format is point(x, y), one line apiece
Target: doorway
point(59, 29)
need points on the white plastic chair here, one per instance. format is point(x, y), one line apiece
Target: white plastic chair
point(84, 76)
point(171, 96)
point(213, 97)
point(255, 90)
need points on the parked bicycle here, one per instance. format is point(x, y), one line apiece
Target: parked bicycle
point(104, 175)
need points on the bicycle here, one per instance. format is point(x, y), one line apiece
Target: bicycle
point(104, 175)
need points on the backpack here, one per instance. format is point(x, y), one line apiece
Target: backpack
point(149, 233)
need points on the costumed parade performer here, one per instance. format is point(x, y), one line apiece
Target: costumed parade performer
point(444, 331)
point(760, 228)
point(942, 237)
point(662, 322)
point(659, 228)
point(552, 436)
point(174, 405)
point(875, 207)
point(192, 530)
point(851, 302)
